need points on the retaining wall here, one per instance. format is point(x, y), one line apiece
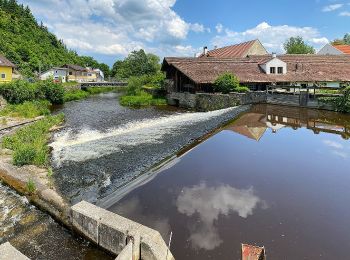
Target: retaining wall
point(113, 233)
point(209, 102)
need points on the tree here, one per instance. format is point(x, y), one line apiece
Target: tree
point(105, 69)
point(226, 83)
point(296, 45)
point(347, 38)
point(137, 63)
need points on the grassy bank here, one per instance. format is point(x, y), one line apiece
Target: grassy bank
point(29, 144)
point(28, 109)
point(142, 99)
point(77, 94)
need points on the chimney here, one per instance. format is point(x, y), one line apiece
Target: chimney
point(274, 55)
point(205, 51)
point(215, 47)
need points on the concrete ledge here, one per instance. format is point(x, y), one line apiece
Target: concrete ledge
point(8, 252)
point(113, 232)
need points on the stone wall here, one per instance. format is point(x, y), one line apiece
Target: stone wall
point(113, 233)
point(209, 102)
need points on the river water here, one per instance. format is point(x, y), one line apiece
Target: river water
point(277, 177)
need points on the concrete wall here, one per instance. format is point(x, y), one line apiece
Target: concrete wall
point(113, 232)
point(8, 252)
point(210, 102)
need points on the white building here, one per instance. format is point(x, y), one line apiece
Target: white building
point(100, 77)
point(274, 66)
point(57, 74)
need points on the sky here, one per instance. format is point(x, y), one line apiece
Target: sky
point(110, 29)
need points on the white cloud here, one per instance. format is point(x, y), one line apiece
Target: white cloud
point(219, 27)
point(211, 202)
point(344, 14)
point(272, 37)
point(114, 27)
point(333, 144)
point(333, 7)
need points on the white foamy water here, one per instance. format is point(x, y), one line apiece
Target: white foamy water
point(91, 144)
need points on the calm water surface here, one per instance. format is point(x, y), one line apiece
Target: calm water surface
point(276, 177)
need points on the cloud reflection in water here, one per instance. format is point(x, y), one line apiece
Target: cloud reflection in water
point(209, 203)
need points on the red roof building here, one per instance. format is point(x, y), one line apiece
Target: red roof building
point(343, 48)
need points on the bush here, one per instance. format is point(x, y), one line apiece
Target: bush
point(30, 143)
point(340, 104)
point(27, 110)
point(226, 83)
point(19, 91)
point(242, 89)
point(54, 92)
point(31, 187)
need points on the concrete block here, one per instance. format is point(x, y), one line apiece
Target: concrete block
point(126, 253)
point(8, 252)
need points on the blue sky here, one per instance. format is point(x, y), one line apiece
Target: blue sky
point(109, 29)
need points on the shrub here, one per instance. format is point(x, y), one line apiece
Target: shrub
point(242, 89)
point(54, 92)
point(340, 104)
point(226, 83)
point(29, 109)
point(19, 91)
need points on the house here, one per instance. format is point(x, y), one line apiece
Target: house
point(6, 70)
point(240, 50)
point(258, 71)
point(57, 74)
point(334, 49)
point(99, 75)
point(80, 74)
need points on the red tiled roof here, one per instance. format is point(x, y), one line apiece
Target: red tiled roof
point(300, 68)
point(233, 51)
point(343, 48)
point(6, 62)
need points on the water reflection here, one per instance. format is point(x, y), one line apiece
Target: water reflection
point(211, 202)
point(262, 117)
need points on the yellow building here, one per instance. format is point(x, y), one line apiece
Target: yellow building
point(6, 70)
point(80, 74)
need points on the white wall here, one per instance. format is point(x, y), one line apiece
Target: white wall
point(55, 74)
point(275, 63)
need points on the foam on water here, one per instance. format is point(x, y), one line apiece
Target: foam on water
point(91, 144)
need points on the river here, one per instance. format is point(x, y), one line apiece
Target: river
point(276, 176)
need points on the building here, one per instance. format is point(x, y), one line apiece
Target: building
point(57, 74)
point(80, 74)
point(330, 49)
point(258, 71)
point(6, 70)
point(100, 77)
point(240, 50)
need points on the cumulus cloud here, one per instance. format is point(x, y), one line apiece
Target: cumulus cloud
point(114, 27)
point(272, 37)
point(344, 14)
point(209, 203)
point(333, 7)
point(219, 27)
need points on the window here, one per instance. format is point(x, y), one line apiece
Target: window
point(89, 74)
point(70, 73)
point(280, 70)
point(3, 75)
point(273, 70)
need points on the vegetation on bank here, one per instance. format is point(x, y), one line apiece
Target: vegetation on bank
point(227, 83)
point(29, 144)
point(145, 80)
point(341, 103)
point(28, 109)
point(77, 94)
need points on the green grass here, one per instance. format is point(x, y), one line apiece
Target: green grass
point(143, 99)
point(29, 144)
point(97, 90)
point(28, 109)
point(75, 94)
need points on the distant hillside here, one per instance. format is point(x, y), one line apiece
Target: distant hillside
point(30, 45)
